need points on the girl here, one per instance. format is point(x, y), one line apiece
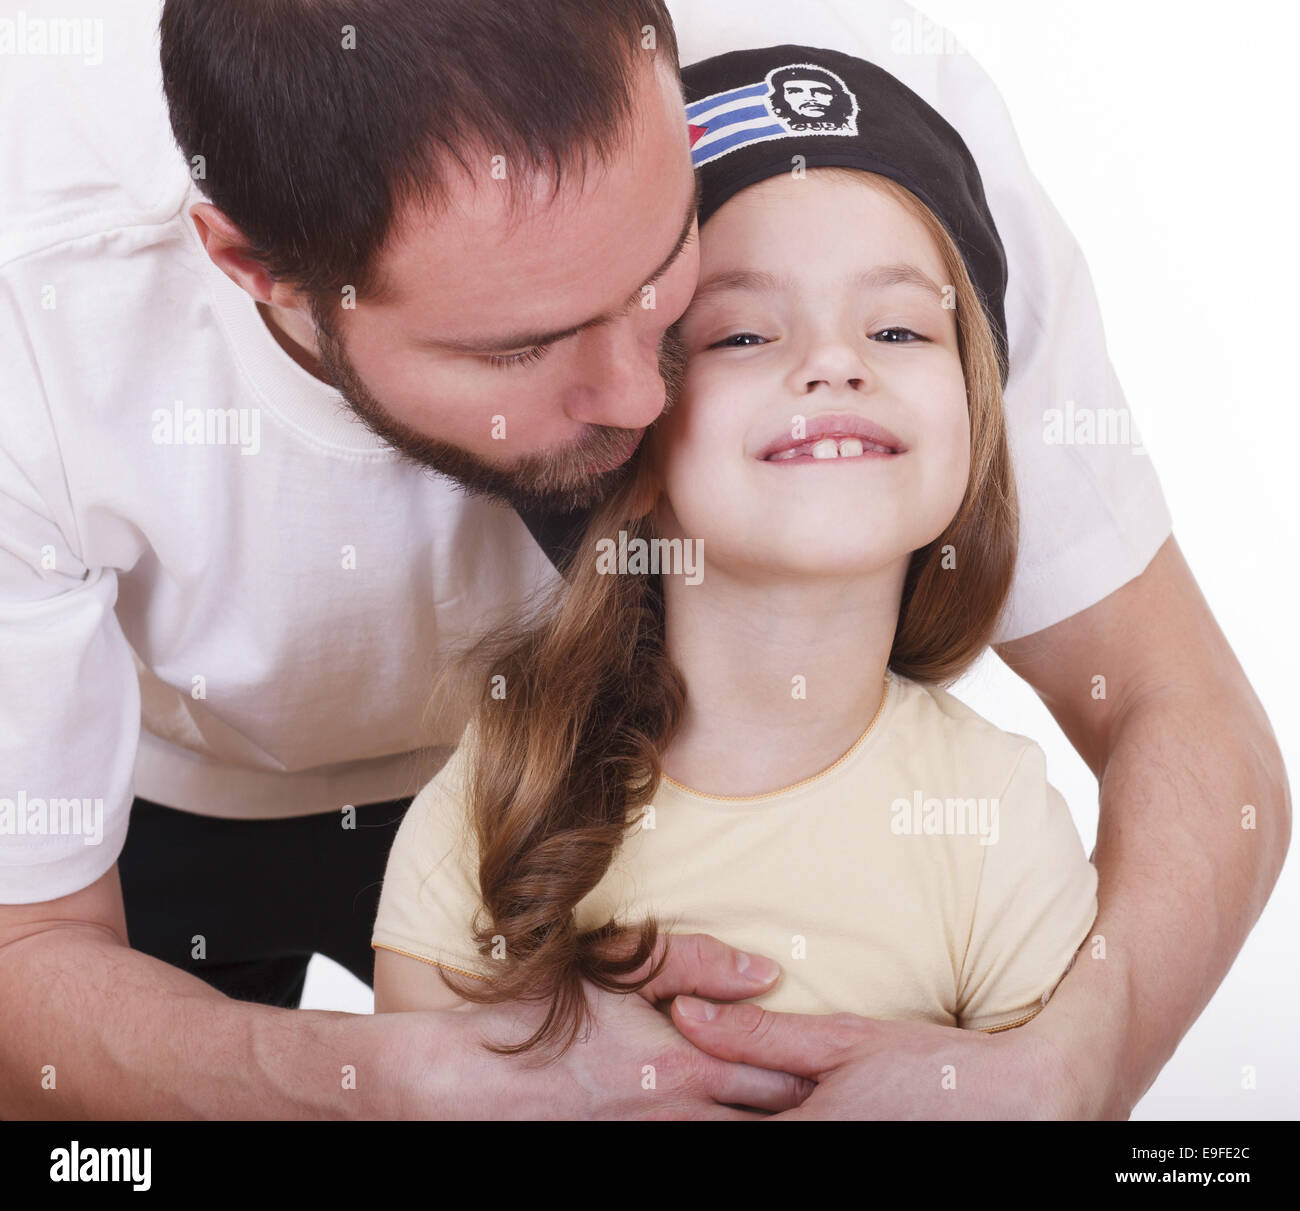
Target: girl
point(765, 752)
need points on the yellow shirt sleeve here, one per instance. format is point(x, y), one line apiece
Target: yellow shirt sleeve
point(1036, 902)
point(430, 893)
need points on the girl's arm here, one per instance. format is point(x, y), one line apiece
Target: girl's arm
point(427, 902)
point(403, 983)
point(1034, 907)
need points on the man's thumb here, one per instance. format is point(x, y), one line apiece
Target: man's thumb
point(698, 963)
point(807, 1045)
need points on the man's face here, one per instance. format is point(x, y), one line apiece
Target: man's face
point(809, 98)
point(525, 355)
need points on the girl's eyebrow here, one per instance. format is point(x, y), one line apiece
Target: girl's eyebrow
point(757, 280)
point(879, 277)
point(902, 273)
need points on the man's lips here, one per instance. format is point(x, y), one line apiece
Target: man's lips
point(841, 435)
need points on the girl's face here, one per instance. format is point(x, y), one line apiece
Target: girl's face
point(819, 324)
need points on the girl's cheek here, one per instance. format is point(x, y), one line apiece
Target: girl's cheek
point(698, 411)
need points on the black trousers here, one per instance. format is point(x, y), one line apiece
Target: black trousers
point(244, 904)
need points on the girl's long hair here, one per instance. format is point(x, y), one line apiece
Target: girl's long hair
point(566, 754)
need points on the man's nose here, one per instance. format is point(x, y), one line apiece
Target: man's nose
point(620, 382)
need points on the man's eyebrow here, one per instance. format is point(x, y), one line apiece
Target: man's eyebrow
point(527, 340)
point(759, 281)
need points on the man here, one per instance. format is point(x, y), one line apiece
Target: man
point(226, 592)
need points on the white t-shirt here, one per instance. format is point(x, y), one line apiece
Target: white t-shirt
point(256, 635)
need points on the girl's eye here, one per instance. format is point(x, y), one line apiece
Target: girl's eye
point(522, 358)
point(735, 341)
point(897, 336)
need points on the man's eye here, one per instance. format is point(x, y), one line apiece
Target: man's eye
point(739, 340)
point(897, 336)
point(522, 358)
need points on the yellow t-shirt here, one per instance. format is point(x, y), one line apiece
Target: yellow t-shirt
point(930, 874)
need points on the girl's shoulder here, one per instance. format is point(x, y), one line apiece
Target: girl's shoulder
point(937, 722)
point(437, 820)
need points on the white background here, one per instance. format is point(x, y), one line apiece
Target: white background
point(1165, 133)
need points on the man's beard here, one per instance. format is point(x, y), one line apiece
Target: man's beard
point(557, 482)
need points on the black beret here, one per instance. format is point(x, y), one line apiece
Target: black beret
point(751, 111)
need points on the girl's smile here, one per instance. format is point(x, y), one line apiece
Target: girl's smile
point(832, 437)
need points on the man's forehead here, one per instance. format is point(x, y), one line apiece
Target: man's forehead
point(523, 237)
point(491, 215)
point(597, 305)
point(479, 282)
point(471, 203)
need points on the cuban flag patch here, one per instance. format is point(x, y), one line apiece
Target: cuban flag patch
point(797, 99)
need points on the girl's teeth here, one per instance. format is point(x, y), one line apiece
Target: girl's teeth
point(830, 447)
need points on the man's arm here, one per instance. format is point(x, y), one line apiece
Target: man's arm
point(92, 1029)
point(1180, 745)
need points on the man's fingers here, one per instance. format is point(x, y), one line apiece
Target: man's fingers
point(744, 1085)
point(719, 1113)
point(699, 964)
point(807, 1045)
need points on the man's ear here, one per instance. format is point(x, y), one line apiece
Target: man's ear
point(228, 249)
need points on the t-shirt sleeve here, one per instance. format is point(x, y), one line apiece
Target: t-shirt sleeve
point(69, 693)
point(430, 893)
point(1036, 902)
point(1092, 512)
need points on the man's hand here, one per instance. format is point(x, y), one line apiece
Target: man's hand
point(630, 1064)
point(90, 1028)
point(869, 1069)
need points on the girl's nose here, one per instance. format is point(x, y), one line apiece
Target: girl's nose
point(831, 361)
